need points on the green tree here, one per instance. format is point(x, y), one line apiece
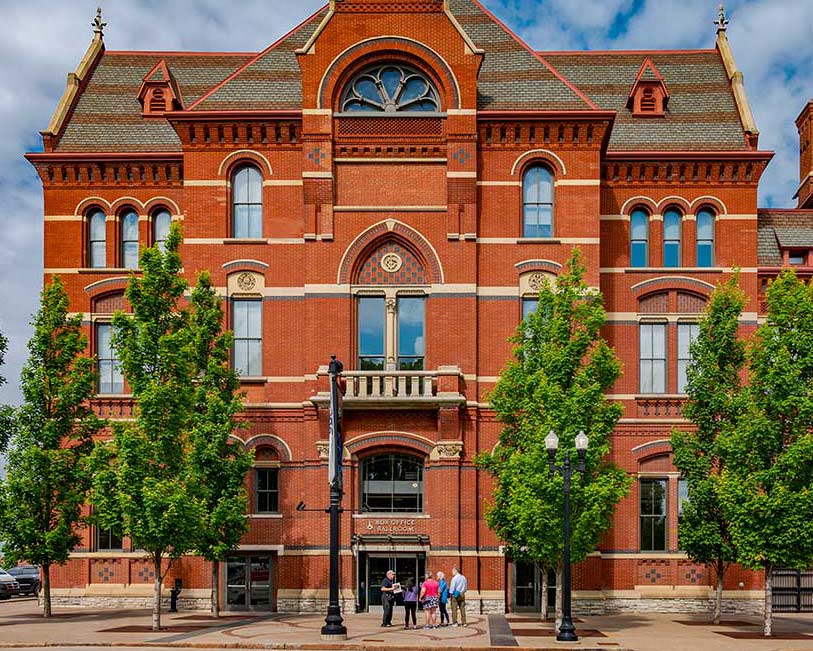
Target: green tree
point(767, 483)
point(6, 412)
point(561, 370)
point(715, 405)
point(144, 486)
point(46, 486)
point(219, 464)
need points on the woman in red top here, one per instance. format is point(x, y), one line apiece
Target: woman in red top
point(429, 599)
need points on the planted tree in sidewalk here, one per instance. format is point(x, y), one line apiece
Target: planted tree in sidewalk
point(47, 481)
point(557, 380)
point(144, 484)
point(767, 482)
point(715, 406)
point(219, 463)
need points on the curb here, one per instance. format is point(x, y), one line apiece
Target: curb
point(294, 646)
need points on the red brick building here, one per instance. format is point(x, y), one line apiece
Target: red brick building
point(390, 182)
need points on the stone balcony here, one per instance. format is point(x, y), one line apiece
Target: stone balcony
point(395, 389)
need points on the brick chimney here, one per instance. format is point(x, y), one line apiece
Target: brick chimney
point(804, 123)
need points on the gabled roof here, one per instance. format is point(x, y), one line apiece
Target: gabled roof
point(108, 117)
point(782, 229)
point(702, 114)
point(650, 74)
point(160, 74)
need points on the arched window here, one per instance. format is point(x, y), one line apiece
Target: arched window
point(639, 238)
point(390, 88)
point(97, 239)
point(537, 202)
point(129, 239)
point(672, 221)
point(705, 238)
point(161, 220)
point(247, 202)
point(392, 483)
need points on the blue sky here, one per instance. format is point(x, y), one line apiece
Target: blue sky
point(42, 40)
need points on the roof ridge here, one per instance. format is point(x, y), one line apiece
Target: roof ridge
point(259, 56)
point(537, 56)
point(645, 52)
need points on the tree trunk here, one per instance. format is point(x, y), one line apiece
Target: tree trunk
point(718, 598)
point(156, 596)
point(543, 598)
point(558, 598)
point(46, 590)
point(215, 589)
point(767, 622)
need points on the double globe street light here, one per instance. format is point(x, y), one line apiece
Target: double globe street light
point(567, 631)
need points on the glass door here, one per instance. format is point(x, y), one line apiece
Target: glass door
point(528, 588)
point(248, 582)
point(405, 566)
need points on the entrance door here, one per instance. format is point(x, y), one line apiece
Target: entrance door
point(248, 582)
point(528, 588)
point(374, 568)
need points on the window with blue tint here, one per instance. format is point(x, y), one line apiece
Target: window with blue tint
point(110, 378)
point(537, 202)
point(687, 333)
point(248, 338)
point(129, 240)
point(371, 333)
point(97, 240)
point(529, 306)
point(160, 228)
point(652, 357)
point(672, 221)
point(390, 88)
point(411, 336)
point(247, 203)
point(705, 238)
point(639, 238)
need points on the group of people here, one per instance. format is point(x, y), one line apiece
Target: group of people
point(434, 595)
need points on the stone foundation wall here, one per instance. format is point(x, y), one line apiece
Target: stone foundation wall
point(106, 601)
point(617, 606)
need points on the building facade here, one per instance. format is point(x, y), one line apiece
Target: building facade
point(392, 181)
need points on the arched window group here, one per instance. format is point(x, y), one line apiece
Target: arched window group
point(537, 201)
point(127, 236)
point(672, 238)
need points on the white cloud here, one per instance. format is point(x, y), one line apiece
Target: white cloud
point(43, 40)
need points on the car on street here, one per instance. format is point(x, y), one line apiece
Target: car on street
point(28, 576)
point(8, 585)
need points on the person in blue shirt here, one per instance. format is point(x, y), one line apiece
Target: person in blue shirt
point(443, 594)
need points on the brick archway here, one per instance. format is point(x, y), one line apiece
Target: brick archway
point(366, 243)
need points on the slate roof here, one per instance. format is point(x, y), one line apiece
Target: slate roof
point(512, 76)
point(107, 115)
point(782, 228)
point(701, 114)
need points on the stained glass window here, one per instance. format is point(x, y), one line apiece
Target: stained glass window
point(390, 88)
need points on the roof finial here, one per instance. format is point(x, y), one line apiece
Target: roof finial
point(97, 24)
point(721, 21)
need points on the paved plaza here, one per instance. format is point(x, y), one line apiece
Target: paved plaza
point(21, 626)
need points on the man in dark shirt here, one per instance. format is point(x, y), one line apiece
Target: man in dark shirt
point(388, 597)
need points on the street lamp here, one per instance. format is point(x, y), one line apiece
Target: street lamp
point(567, 631)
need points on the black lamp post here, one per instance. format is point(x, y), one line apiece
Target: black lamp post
point(567, 631)
point(334, 628)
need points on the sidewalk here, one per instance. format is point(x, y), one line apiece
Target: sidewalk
point(21, 625)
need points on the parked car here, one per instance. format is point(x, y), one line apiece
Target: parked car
point(28, 576)
point(8, 585)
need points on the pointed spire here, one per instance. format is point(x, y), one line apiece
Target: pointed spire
point(721, 21)
point(98, 25)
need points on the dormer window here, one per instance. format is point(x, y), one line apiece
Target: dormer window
point(159, 91)
point(797, 258)
point(648, 96)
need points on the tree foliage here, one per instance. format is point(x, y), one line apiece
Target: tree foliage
point(47, 481)
point(6, 412)
point(218, 463)
point(561, 370)
point(767, 484)
point(144, 486)
point(715, 406)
